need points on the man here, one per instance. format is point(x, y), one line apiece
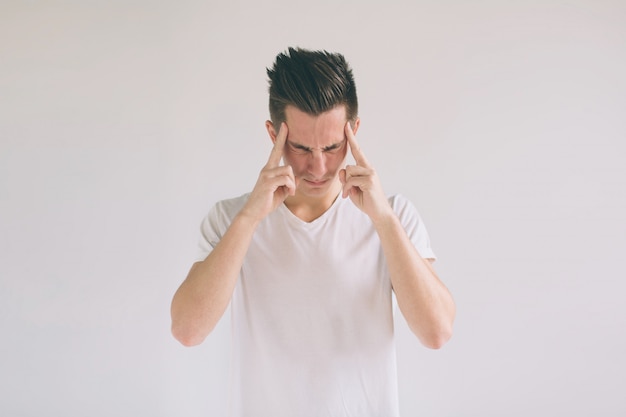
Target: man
point(309, 260)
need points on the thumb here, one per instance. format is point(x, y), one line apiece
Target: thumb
point(342, 176)
point(297, 181)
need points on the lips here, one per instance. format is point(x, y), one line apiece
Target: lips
point(316, 183)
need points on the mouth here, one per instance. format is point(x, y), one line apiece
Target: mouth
point(316, 183)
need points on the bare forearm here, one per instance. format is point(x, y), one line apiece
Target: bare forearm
point(203, 297)
point(424, 301)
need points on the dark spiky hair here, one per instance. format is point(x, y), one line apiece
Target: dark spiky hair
point(312, 81)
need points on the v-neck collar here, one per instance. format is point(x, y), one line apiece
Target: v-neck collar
point(298, 222)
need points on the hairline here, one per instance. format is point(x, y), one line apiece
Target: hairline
point(346, 119)
point(279, 102)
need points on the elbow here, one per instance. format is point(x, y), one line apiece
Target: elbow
point(186, 336)
point(189, 341)
point(435, 338)
point(438, 340)
point(439, 332)
point(187, 327)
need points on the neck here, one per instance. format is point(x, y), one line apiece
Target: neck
point(309, 208)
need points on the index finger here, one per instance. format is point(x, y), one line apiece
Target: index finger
point(359, 157)
point(279, 145)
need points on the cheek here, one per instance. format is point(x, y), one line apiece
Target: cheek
point(335, 164)
point(297, 164)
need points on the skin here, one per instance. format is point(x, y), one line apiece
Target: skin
point(316, 173)
point(308, 184)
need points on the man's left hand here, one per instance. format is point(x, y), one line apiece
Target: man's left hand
point(361, 183)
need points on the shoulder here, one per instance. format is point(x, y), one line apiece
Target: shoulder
point(413, 224)
point(230, 206)
point(223, 212)
point(407, 213)
point(402, 205)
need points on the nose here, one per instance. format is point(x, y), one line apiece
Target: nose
point(317, 163)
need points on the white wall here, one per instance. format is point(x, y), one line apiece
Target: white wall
point(122, 122)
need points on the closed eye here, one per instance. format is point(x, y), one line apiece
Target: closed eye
point(301, 149)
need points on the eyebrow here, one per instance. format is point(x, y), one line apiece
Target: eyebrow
point(325, 148)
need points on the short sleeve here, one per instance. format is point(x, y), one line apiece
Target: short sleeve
point(413, 224)
point(215, 224)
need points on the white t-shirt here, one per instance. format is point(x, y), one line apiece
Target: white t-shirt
point(312, 314)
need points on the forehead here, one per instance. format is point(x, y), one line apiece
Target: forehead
point(321, 130)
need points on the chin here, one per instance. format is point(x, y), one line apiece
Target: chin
point(316, 189)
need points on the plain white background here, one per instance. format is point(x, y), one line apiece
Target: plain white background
point(122, 122)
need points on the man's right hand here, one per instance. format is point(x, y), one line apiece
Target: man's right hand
point(275, 182)
point(203, 297)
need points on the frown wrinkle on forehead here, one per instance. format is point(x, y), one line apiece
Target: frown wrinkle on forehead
point(312, 131)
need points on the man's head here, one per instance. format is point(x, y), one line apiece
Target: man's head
point(314, 82)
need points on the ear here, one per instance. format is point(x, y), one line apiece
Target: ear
point(355, 125)
point(270, 130)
